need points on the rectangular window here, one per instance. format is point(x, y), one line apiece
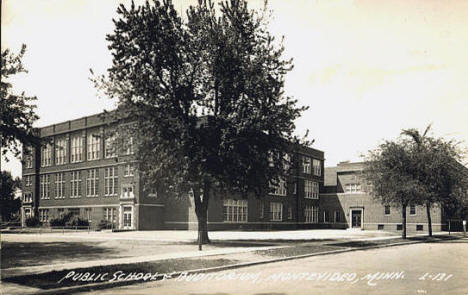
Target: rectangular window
point(380, 227)
point(290, 213)
point(94, 146)
point(43, 215)
point(110, 147)
point(326, 216)
point(387, 210)
point(27, 198)
point(75, 182)
point(317, 165)
point(127, 191)
point(129, 146)
point(129, 170)
point(276, 211)
point(353, 188)
point(419, 227)
point(60, 151)
point(45, 186)
point(311, 189)
point(46, 155)
point(412, 210)
point(337, 216)
point(92, 183)
point(110, 215)
point(28, 157)
point(262, 210)
point(76, 148)
point(280, 188)
point(235, 210)
point(28, 180)
point(287, 162)
point(311, 214)
point(110, 181)
point(88, 214)
point(60, 185)
point(294, 188)
point(306, 165)
point(399, 227)
point(61, 212)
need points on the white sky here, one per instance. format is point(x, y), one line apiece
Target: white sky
point(367, 69)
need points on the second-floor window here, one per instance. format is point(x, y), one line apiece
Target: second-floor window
point(317, 165)
point(94, 146)
point(129, 146)
point(311, 189)
point(92, 183)
point(60, 151)
point(110, 181)
point(306, 165)
point(46, 155)
point(352, 188)
point(129, 170)
point(412, 210)
point(75, 182)
point(28, 180)
point(59, 185)
point(127, 191)
point(27, 198)
point(76, 148)
point(45, 186)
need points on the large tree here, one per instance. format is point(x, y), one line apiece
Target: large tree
point(437, 167)
point(205, 92)
point(17, 113)
point(387, 169)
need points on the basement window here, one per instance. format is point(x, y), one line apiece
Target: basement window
point(419, 227)
point(380, 227)
point(399, 227)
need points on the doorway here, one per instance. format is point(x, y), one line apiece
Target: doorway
point(356, 218)
point(127, 217)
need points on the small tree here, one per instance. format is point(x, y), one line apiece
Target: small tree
point(436, 166)
point(17, 114)
point(387, 170)
point(206, 95)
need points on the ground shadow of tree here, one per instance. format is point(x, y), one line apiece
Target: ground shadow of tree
point(16, 254)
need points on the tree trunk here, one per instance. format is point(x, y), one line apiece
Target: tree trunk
point(429, 221)
point(201, 209)
point(403, 217)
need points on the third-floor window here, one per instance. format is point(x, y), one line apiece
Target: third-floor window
point(317, 165)
point(306, 165)
point(60, 151)
point(94, 146)
point(76, 148)
point(46, 155)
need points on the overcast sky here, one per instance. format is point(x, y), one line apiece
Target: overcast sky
point(367, 69)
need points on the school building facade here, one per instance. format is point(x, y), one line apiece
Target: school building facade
point(77, 170)
point(345, 202)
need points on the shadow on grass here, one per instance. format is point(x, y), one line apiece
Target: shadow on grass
point(123, 273)
point(16, 254)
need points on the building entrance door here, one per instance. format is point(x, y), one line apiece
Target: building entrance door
point(356, 218)
point(127, 217)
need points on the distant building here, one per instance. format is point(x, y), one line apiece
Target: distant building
point(346, 203)
point(77, 171)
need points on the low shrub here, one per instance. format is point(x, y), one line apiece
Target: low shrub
point(32, 221)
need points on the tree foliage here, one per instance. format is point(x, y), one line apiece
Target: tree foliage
point(206, 91)
point(436, 165)
point(388, 171)
point(8, 203)
point(17, 113)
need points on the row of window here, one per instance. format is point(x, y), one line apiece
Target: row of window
point(110, 214)
point(237, 211)
point(92, 183)
point(311, 189)
point(93, 144)
point(308, 165)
